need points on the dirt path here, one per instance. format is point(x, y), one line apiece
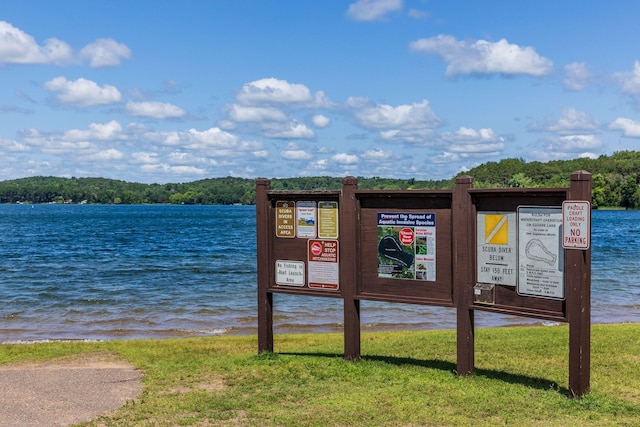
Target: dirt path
point(62, 393)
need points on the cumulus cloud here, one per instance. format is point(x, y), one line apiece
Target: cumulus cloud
point(273, 91)
point(345, 159)
point(373, 10)
point(468, 142)
point(244, 114)
point(630, 128)
point(576, 76)
point(382, 116)
point(290, 131)
point(83, 92)
point(154, 110)
point(295, 155)
point(629, 81)
point(320, 121)
point(572, 121)
point(483, 57)
point(18, 47)
point(106, 155)
point(574, 143)
point(105, 53)
point(377, 155)
point(97, 131)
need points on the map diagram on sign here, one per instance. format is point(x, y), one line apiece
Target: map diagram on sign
point(537, 251)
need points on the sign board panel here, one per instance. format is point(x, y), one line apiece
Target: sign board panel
point(306, 219)
point(540, 253)
point(576, 224)
point(285, 219)
point(328, 220)
point(290, 273)
point(497, 248)
point(407, 245)
point(323, 264)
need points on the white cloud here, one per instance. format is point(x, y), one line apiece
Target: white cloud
point(373, 10)
point(18, 47)
point(630, 128)
point(83, 92)
point(483, 57)
point(446, 157)
point(377, 155)
point(295, 155)
point(273, 91)
point(105, 53)
point(155, 110)
point(574, 143)
point(320, 121)
point(629, 82)
point(145, 158)
point(243, 114)
point(97, 131)
point(572, 122)
point(386, 117)
point(194, 139)
point(105, 155)
point(345, 159)
point(291, 131)
point(468, 142)
point(576, 76)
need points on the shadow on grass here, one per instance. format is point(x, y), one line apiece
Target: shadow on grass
point(442, 365)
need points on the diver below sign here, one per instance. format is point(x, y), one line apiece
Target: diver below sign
point(540, 253)
point(497, 248)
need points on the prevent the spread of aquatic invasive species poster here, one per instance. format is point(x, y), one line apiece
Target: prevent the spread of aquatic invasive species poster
point(407, 245)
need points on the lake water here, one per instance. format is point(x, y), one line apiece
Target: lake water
point(93, 272)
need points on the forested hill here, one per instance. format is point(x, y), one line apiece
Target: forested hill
point(615, 184)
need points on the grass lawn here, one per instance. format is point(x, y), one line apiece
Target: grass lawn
point(403, 379)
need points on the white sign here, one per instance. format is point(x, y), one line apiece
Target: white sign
point(576, 225)
point(540, 253)
point(306, 219)
point(290, 273)
point(497, 248)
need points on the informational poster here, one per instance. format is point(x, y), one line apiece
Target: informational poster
point(285, 219)
point(540, 253)
point(323, 264)
point(328, 220)
point(407, 245)
point(497, 248)
point(306, 219)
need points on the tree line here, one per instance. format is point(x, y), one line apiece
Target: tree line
point(615, 181)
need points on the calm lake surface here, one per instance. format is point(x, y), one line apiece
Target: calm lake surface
point(95, 272)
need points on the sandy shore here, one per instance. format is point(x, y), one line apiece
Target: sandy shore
point(62, 393)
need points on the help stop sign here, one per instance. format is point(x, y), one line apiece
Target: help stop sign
point(316, 248)
point(406, 236)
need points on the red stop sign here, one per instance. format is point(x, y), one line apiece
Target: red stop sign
point(406, 236)
point(316, 248)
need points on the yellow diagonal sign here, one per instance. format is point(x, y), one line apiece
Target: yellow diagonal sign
point(496, 229)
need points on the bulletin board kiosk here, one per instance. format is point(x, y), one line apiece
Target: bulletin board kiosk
point(516, 251)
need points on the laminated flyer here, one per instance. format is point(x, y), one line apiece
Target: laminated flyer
point(407, 245)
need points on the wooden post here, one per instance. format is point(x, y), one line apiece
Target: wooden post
point(264, 235)
point(578, 285)
point(463, 221)
point(349, 267)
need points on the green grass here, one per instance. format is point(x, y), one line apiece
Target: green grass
point(403, 379)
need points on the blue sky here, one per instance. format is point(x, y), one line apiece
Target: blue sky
point(176, 91)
